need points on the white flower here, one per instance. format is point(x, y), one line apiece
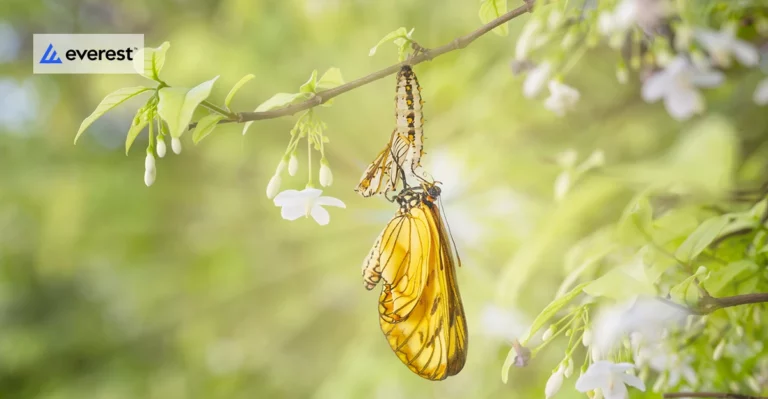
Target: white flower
point(562, 98)
point(610, 378)
point(293, 165)
point(554, 382)
point(149, 170)
point(160, 148)
point(645, 315)
point(724, 44)
point(663, 360)
point(176, 145)
point(534, 81)
point(677, 85)
point(527, 39)
point(306, 202)
point(646, 14)
point(273, 186)
point(761, 92)
point(326, 177)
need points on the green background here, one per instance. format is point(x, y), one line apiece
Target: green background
point(196, 287)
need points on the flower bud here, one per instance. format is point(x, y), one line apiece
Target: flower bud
point(586, 339)
point(176, 145)
point(554, 383)
point(326, 177)
point(274, 186)
point(548, 334)
point(293, 165)
point(568, 368)
point(160, 147)
point(150, 172)
point(622, 73)
point(280, 167)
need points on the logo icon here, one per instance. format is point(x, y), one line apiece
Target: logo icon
point(50, 56)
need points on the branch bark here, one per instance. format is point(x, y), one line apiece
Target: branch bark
point(711, 304)
point(425, 55)
point(722, 395)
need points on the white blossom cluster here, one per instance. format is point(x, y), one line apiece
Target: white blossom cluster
point(675, 55)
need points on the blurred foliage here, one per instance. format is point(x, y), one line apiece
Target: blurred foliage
point(197, 288)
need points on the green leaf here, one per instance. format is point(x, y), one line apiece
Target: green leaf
point(309, 87)
point(719, 280)
point(177, 105)
point(205, 126)
point(635, 222)
point(237, 87)
point(110, 101)
point(391, 36)
point(492, 9)
point(539, 322)
point(672, 225)
point(700, 239)
point(149, 61)
point(618, 284)
point(140, 121)
point(330, 79)
point(682, 292)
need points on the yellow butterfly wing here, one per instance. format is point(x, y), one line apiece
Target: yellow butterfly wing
point(420, 309)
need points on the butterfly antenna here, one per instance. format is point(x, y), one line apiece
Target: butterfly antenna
point(448, 227)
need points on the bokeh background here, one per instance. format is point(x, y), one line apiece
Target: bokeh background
point(196, 288)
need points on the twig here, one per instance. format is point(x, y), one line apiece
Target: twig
point(711, 304)
point(722, 395)
point(424, 55)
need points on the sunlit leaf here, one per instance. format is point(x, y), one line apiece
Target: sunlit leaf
point(149, 61)
point(280, 100)
point(700, 239)
point(310, 85)
point(635, 222)
point(177, 105)
point(391, 36)
point(492, 9)
point(683, 291)
point(110, 101)
point(618, 284)
point(330, 79)
point(718, 280)
point(205, 126)
point(237, 87)
point(140, 121)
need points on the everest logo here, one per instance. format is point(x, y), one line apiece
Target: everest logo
point(50, 56)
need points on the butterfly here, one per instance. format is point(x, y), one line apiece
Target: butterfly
point(405, 147)
point(420, 309)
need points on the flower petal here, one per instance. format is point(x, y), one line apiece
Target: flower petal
point(588, 382)
point(655, 86)
point(292, 212)
point(330, 201)
point(761, 92)
point(745, 52)
point(682, 103)
point(536, 79)
point(707, 79)
point(320, 215)
point(286, 197)
point(633, 381)
point(615, 390)
point(622, 367)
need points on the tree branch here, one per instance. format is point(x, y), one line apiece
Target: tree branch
point(722, 395)
point(425, 55)
point(711, 304)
